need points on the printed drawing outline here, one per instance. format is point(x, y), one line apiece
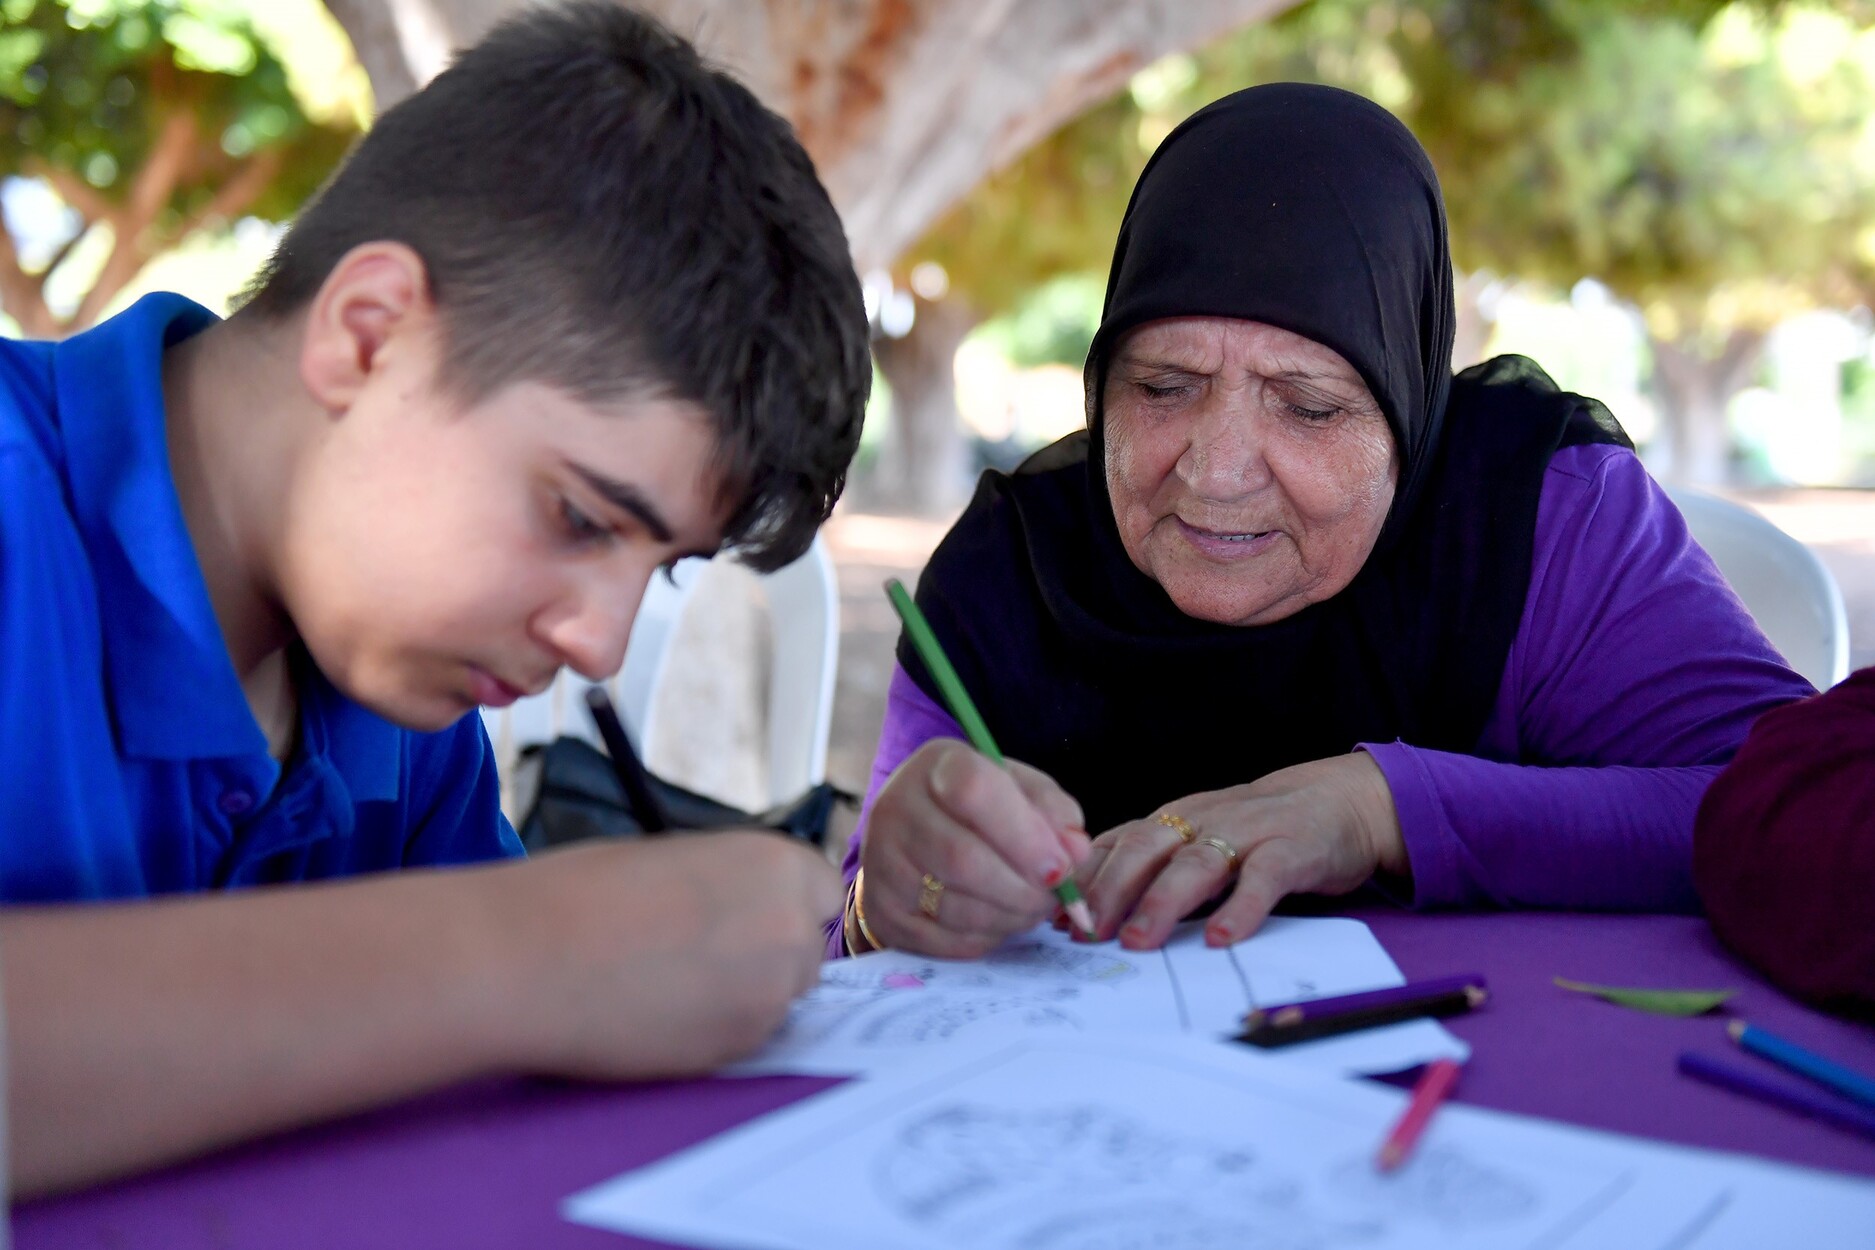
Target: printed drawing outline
point(1081, 1175)
point(1439, 1183)
point(892, 1003)
point(927, 1018)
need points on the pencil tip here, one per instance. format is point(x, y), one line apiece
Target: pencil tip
point(1082, 916)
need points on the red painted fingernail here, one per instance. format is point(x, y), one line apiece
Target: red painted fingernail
point(1053, 876)
point(1217, 934)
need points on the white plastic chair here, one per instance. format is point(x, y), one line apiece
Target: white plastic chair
point(804, 613)
point(1790, 593)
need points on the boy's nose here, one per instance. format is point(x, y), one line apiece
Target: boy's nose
point(590, 638)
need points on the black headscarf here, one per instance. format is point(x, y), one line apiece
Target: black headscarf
point(1316, 211)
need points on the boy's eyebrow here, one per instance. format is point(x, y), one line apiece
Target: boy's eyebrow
point(628, 498)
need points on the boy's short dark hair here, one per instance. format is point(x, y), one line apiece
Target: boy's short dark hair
point(602, 211)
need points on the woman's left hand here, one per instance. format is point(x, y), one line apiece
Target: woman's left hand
point(1322, 827)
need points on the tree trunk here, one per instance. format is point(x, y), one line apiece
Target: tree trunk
point(1693, 390)
point(924, 466)
point(905, 105)
point(404, 43)
point(22, 295)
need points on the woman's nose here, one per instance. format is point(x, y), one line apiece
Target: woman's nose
point(1224, 458)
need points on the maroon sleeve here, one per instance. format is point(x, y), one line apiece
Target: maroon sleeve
point(1784, 848)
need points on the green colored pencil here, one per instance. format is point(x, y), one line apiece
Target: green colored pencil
point(952, 687)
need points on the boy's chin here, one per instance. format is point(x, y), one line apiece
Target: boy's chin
point(424, 712)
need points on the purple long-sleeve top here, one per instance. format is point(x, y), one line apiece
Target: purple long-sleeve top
point(1635, 674)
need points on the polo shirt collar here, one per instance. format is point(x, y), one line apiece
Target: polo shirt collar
point(174, 690)
point(173, 686)
point(365, 749)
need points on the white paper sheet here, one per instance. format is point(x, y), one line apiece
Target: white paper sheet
point(1112, 1143)
point(870, 1011)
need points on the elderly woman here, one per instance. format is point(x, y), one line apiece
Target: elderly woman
point(1300, 609)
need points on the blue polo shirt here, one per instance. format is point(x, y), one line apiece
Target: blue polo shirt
point(130, 763)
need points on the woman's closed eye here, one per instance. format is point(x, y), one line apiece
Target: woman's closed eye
point(1313, 406)
point(1162, 388)
point(1310, 414)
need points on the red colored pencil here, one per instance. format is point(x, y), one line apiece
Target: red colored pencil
point(1440, 1077)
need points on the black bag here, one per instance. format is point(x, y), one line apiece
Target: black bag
point(578, 796)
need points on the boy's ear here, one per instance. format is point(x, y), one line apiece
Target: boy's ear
point(376, 296)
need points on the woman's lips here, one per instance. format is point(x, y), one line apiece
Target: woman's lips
point(490, 691)
point(1226, 544)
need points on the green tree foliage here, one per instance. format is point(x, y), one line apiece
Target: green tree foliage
point(1056, 211)
point(1053, 212)
point(1713, 164)
point(1704, 162)
point(151, 119)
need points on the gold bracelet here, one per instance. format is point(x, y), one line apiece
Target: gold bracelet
point(850, 939)
point(859, 913)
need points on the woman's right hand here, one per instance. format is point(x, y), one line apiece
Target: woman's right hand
point(996, 841)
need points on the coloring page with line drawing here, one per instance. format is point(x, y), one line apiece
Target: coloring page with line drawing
point(1113, 1143)
point(872, 1010)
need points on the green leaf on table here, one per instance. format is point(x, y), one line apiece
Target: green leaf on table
point(1660, 1002)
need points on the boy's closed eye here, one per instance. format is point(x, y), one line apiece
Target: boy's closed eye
point(619, 510)
point(580, 527)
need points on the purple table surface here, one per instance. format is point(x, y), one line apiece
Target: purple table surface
point(486, 1165)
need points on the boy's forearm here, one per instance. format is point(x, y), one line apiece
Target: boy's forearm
point(146, 1032)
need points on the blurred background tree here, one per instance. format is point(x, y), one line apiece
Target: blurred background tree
point(1020, 240)
point(1707, 163)
point(905, 106)
point(1711, 164)
point(138, 124)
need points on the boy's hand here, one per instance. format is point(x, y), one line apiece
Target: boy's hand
point(659, 957)
point(141, 1033)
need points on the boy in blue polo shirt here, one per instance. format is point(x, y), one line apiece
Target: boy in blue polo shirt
point(576, 309)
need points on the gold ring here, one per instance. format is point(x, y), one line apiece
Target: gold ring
point(930, 894)
point(1178, 825)
point(1230, 856)
point(859, 911)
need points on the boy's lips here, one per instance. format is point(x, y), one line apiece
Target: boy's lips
point(491, 691)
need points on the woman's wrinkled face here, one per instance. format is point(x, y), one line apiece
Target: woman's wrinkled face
point(1250, 469)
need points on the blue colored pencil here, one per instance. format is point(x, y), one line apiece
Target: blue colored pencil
point(1787, 1054)
point(1791, 1097)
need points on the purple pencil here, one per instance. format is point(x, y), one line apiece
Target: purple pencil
point(1838, 1112)
point(1323, 1017)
